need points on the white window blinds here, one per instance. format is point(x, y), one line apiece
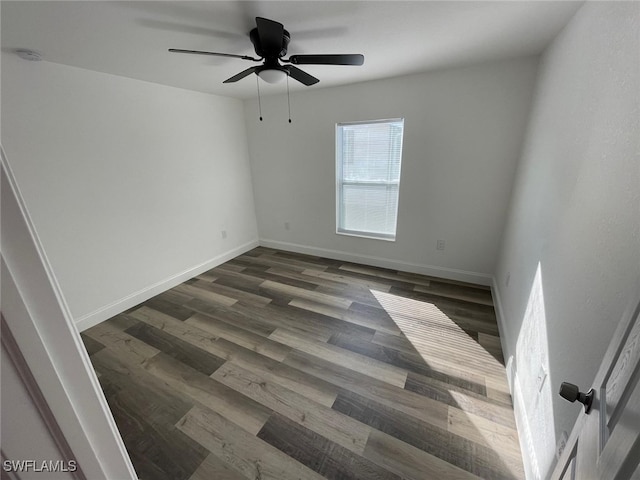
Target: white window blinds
point(368, 158)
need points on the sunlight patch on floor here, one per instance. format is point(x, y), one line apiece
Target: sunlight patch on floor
point(440, 340)
point(432, 333)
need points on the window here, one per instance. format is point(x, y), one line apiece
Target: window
point(368, 157)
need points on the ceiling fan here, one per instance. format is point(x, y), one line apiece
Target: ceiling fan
point(270, 41)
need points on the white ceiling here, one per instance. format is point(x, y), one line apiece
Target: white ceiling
point(396, 37)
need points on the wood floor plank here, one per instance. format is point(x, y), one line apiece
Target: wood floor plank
point(385, 325)
point(278, 316)
point(208, 276)
point(242, 337)
point(412, 362)
point(237, 408)
point(228, 266)
point(234, 293)
point(261, 271)
point(92, 346)
point(245, 453)
point(322, 420)
point(162, 403)
point(203, 294)
point(446, 370)
point(234, 316)
point(434, 413)
point(319, 390)
point(213, 468)
point(318, 453)
point(451, 307)
point(484, 432)
point(311, 387)
point(408, 461)
point(383, 273)
point(491, 343)
point(313, 296)
point(355, 294)
point(433, 334)
point(202, 339)
point(178, 311)
point(323, 262)
point(237, 280)
point(126, 346)
point(458, 451)
point(498, 389)
point(284, 262)
point(158, 452)
point(279, 365)
point(466, 294)
point(182, 351)
point(359, 363)
point(315, 280)
point(345, 280)
point(173, 297)
point(177, 328)
point(464, 399)
point(145, 411)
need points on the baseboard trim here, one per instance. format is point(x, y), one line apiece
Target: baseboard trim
point(502, 329)
point(529, 460)
point(108, 311)
point(441, 272)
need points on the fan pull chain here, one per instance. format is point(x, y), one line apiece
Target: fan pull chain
point(259, 103)
point(288, 99)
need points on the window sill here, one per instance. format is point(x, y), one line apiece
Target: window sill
point(364, 235)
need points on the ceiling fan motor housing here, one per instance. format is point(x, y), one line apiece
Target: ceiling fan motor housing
point(261, 52)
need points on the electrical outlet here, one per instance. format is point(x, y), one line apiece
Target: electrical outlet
point(224, 233)
point(440, 245)
point(287, 226)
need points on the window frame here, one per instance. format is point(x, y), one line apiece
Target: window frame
point(340, 182)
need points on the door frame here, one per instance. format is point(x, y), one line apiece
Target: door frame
point(42, 325)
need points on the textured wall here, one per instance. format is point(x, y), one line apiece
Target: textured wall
point(128, 183)
point(574, 226)
point(462, 138)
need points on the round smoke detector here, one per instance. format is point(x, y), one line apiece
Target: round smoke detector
point(29, 55)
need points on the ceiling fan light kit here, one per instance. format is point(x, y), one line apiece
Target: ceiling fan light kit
point(270, 42)
point(272, 75)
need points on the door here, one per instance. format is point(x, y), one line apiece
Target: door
point(605, 443)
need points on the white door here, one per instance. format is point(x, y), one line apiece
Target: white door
point(605, 443)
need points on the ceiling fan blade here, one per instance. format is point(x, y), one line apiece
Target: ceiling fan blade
point(215, 54)
point(301, 76)
point(270, 34)
point(347, 59)
point(241, 75)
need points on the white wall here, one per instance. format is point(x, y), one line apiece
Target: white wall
point(128, 183)
point(463, 134)
point(574, 219)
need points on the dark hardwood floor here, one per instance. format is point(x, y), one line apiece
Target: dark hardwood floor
point(282, 366)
